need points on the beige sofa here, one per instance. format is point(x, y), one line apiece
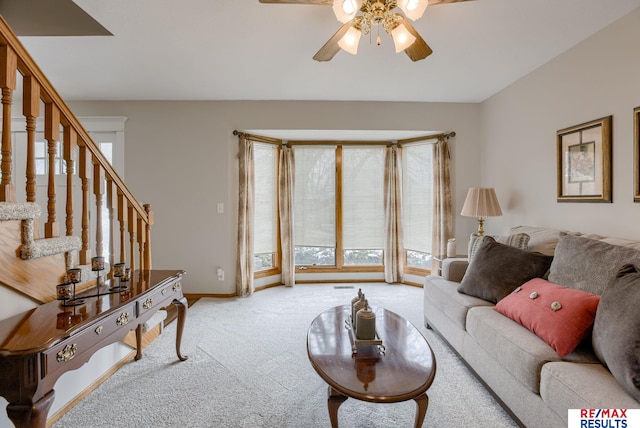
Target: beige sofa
point(523, 371)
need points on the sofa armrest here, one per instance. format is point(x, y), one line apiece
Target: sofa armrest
point(453, 269)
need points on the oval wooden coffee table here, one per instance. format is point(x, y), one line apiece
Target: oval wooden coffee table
point(404, 372)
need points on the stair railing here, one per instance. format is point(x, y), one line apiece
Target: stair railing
point(100, 185)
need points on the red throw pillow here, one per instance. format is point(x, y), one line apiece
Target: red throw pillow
point(558, 315)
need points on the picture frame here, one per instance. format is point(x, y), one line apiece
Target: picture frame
point(584, 167)
point(636, 154)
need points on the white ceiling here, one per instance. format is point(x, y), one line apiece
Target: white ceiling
point(246, 50)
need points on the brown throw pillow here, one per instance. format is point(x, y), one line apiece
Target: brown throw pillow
point(497, 270)
point(616, 329)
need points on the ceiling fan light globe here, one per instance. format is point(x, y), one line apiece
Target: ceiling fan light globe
point(349, 42)
point(402, 38)
point(413, 9)
point(345, 10)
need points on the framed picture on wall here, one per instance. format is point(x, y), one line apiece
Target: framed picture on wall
point(636, 154)
point(584, 162)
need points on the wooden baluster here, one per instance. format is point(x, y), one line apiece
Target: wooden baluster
point(122, 219)
point(31, 111)
point(70, 144)
point(8, 70)
point(98, 191)
point(133, 222)
point(147, 249)
point(84, 163)
point(52, 135)
point(141, 240)
point(112, 246)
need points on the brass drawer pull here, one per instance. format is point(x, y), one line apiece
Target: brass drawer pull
point(123, 319)
point(147, 303)
point(67, 353)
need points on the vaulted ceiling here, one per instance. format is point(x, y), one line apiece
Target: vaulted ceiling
point(247, 50)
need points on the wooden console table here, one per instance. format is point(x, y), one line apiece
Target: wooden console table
point(38, 346)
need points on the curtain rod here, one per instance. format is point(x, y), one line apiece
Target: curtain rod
point(263, 139)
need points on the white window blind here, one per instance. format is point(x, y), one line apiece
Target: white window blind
point(363, 197)
point(314, 197)
point(417, 189)
point(265, 198)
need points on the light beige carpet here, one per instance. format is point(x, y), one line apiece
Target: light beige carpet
point(248, 367)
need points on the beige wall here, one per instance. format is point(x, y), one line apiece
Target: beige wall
point(181, 158)
point(597, 78)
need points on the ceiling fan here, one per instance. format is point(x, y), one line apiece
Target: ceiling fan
point(379, 13)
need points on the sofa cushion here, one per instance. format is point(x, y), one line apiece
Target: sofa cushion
point(578, 386)
point(562, 326)
point(541, 239)
point(497, 269)
point(588, 265)
point(518, 240)
point(444, 295)
point(516, 349)
point(616, 331)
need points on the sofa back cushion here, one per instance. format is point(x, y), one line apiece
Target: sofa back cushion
point(588, 265)
point(616, 330)
point(541, 239)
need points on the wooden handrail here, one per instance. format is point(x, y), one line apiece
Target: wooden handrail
point(98, 185)
point(28, 67)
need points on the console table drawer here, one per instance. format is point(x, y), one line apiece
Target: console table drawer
point(75, 347)
point(159, 298)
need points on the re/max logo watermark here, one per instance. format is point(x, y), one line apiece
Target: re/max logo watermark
point(604, 418)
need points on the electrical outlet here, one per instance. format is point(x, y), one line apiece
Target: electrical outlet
point(220, 273)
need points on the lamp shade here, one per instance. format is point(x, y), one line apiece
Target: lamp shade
point(481, 202)
point(402, 38)
point(413, 9)
point(345, 10)
point(349, 42)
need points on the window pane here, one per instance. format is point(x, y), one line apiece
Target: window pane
point(418, 259)
point(417, 197)
point(363, 205)
point(266, 232)
point(314, 256)
point(314, 205)
point(362, 257)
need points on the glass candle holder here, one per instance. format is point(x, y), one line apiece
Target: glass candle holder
point(74, 275)
point(97, 263)
point(118, 269)
point(126, 276)
point(64, 291)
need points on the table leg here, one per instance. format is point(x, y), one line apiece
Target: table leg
point(423, 402)
point(182, 305)
point(138, 342)
point(334, 401)
point(31, 415)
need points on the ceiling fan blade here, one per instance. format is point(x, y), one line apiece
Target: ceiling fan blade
point(435, 2)
point(331, 48)
point(419, 49)
point(319, 2)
